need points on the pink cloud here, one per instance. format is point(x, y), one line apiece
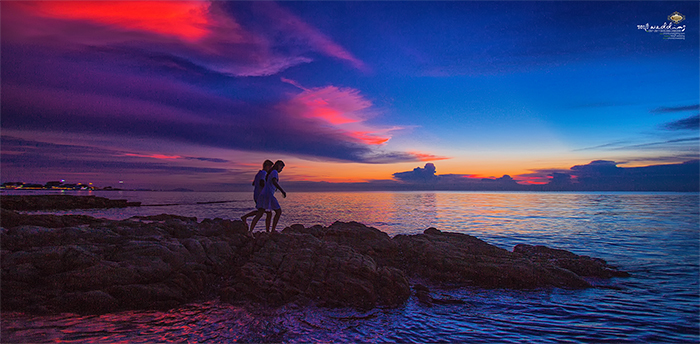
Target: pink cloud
point(427, 156)
point(368, 138)
point(103, 70)
point(532, 180)
point(331, 104)
point(200, 31)
point(188, 20)
point(342, 109)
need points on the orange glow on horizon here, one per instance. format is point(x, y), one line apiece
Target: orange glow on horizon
point(183, 19)
point(475, 176)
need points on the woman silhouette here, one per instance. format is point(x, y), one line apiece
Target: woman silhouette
point(267, 199)
point(259, 183)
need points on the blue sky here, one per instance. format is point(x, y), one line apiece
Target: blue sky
point(342, 91)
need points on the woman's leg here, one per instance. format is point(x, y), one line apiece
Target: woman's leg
point(278, 213)
point(268, 218)
point(257, 217)
point(246, 216)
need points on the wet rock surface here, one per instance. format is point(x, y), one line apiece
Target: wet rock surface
point(580, 265)
point(89, 265)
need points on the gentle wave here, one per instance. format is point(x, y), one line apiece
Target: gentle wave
point(654, 236)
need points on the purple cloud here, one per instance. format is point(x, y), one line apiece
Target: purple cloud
point(424, 175)
point(199, 31)
point(37, 161)
point(203, 32)
point(605, 175)
point(676, 109)
point(111, 69)
point(690, 123)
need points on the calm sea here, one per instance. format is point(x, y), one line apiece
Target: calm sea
point(654, 236)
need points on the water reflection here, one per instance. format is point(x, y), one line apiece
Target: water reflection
point(393, 213)
point(654, 236)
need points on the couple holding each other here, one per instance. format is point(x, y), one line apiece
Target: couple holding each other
point(266, 182)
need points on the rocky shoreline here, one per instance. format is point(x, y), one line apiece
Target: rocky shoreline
point(61, 202)
point(87, 265)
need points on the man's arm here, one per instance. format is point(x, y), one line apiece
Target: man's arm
point(274, 182)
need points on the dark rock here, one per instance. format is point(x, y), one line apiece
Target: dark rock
point(11, 219)
point(423, 294)
point(66, 264)
point(180, 227)
point(460, 259)
point(300, 229)
point(419, 288)
point(448, 301)
point(165, 217)
point(100, 276)
point(289, 266)
point(90, 302)
point(23, 272)
point(581, 265)
point(18, 295)
point(366, 240)
point(432, 231)
point(60, 202)
point(220, 227)
point(147, 296)
point(113, 260)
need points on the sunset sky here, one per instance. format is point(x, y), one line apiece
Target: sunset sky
point(197, 94)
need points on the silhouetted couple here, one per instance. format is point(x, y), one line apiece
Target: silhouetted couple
point(266, 182)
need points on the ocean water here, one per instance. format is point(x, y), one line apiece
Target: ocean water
point(653, 236)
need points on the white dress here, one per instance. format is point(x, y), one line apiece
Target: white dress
point(267, 199)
